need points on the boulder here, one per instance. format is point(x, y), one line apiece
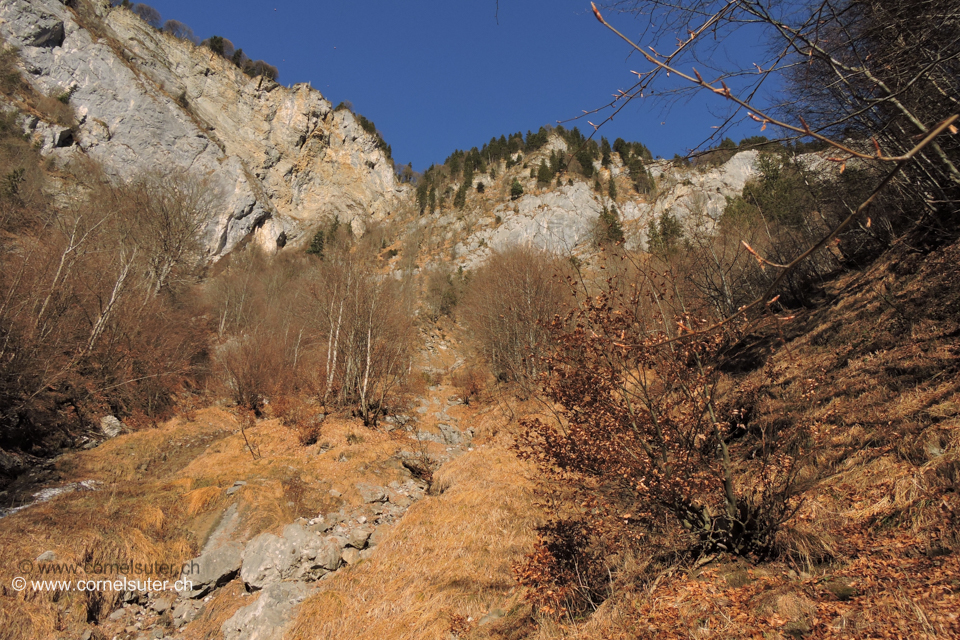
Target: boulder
point(351, 556)
point(111, 426)
point(212, 569)
point(371, 492)
point(267, 559)
point(358, 537)
point(315, 555)
point(162, 604)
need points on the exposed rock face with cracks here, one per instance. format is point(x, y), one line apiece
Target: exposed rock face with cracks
point(281, 158)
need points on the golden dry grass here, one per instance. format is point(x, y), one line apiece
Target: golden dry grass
point(448, 560)
point(161, 494)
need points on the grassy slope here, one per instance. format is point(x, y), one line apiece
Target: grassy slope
point(873, 370)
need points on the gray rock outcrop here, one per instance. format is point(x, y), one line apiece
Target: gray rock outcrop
point(268, 617)
point(212, 569)
point(563, 219)
point(297, 554)
point(281, 159)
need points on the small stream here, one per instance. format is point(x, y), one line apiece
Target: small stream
point(45, 495)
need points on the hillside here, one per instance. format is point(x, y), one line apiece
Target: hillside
point(259, 382)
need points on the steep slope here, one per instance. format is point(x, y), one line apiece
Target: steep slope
point(282, 159)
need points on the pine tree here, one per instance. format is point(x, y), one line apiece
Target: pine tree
point(316, 245)
point(516, 189)
point(544, 175)
point(604, 152)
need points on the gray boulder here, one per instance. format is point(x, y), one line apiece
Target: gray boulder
point(267, 559)
point(371, 492)
point(299, 554)
point(213, 569)
point(453, 436)
point(317, 555)
point(268, 617)
point(111, 426)
point(358, 537)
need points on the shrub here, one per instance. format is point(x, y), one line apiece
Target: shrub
point(507, 302)
point(148, 14)
point(179, 30)
point(468, 383)
point(642, 433)
point(516, 189)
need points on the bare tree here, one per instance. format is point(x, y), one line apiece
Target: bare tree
point(179, 30)
point(885, 73)
point(509, 301)
point(148, 14)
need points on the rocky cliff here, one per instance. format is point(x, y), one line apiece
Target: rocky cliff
point(282, 158)
point(564, 218)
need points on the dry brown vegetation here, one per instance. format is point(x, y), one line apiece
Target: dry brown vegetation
point(161, 492)
point(508, 300)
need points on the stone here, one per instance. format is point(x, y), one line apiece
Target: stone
point(239, 484)
point(184, 612)
point(371, 493)
point(351, 556)
point(453, 436)
point(267, 559)
point(335, 493)
point(111, 426)
point(492, 616)
point(162, 604)
point(376, 537)
point(47, 556)
point(316, 555)
point(268, 617)
point(358, 537)
point(213, 569)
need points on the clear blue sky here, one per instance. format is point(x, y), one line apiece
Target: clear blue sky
point(436, 75)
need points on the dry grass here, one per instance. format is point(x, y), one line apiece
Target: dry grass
point(161, 495)
point(448, 562)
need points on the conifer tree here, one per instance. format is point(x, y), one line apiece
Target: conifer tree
point(516, 189)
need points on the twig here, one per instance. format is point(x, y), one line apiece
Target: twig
point(757, 114)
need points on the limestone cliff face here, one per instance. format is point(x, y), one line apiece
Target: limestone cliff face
point(563, 219)
point(282, 158)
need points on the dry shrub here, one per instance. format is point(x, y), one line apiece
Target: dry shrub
point(469, 383)
point(95, 333)
point(508, 302)
point(562, 573)
point(56, 108)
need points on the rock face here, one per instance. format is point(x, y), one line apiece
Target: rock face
point(563, 219)
point(280, 158)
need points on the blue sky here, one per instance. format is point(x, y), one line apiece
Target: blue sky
point(436, 75)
